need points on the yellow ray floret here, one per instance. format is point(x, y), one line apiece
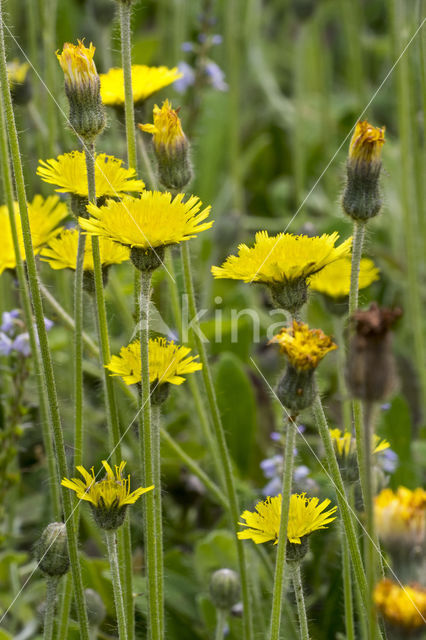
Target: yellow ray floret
point(403, 606)
point(68, 173)
point(112, 491)
point(61, 252)
point(167, 129)
point(401, 516)
point(305, 516)
point(145, 82)
point(168, 362)
point(153, 220)
point(335, 279)
point(282, 258)
point(366, 143)
point(345, 443)
point(304, 347)
point(78, 65)
point(44, 216)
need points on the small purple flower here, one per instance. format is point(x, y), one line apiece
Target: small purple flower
point(273, 488)
point(214, 39)
point(386, 406)
point(301, 473)
point(187, 46)
point(48, 324)
point(8, 320)
point(271, 466)
point(216, 76)
point(5, 344)
point(21, 344)
point(388, 460)
point(187, 79)
point(275, 436)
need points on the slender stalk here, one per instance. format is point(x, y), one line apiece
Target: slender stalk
point(357, 243)
point(300, 601)
point(341, 356)
point(220, 624)
point(155, 425)
point(126, 58)
point(155, 606)
point(111, 540)
point(46, 360)
point(368, 488)
point(78, 351)
point(49, 616)
point(49, 33)
point(280, 563)
point(229, 483)
point(362, 620)
point(64, 611)
point(347, 587)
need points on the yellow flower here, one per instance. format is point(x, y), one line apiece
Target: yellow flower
point(366, 143)
point(167, 129)
point(61, 252)
point(153, 220)
point(335, 279)
point(17, 72)
point(108, 497)
point(304, 347)
point(282, 258)
point(345, 444)
point(305, 516)
point(401, 606)
point(168, 362)
point(145, 82)
point(69, 174)
point(401, 516)
point(44, 217)
point(78, 66)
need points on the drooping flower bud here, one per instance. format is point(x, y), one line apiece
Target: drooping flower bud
point(361, 197)
point(51, 550)
point(171, 147)
point(224, 589)
point(82, 86)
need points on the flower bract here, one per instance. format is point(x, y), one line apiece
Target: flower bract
point(304, 347)
point(403, 606)
point(335, 279)
point(305, 516)
point(145, 81)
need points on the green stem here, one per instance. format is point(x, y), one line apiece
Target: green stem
point(300, 601)
point(220, 624)
point(221, 443)
point(111, 540)
point(49, 33)
point(357, 243)
point(341, 356)
point(362, 620)
point(78, 352)
point(46, 360)
point(280, 563)
point(155, 607)
point(155, 425)
point(64, 611)
point(126, 58)
point(347, 587)
point(49, 616)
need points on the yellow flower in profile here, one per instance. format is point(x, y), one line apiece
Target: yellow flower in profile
point(168, 362)
point(61, 252)
point(167, 129)
point(78, 66)
point(109, 497)
point(44, 216)
point(366, 143)
point(404, 607)
point(335, 279)
point(153, 220)
point(305, 516)
point(400, 516)
point(145, 81)
point(17, 72)
point(304, 347)
point(69, 174)
point(345, 444)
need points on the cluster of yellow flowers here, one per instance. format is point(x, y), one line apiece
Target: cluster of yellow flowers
point(401, 516)
point(403, 606)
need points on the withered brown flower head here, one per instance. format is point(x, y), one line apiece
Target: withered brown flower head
point(371, 366)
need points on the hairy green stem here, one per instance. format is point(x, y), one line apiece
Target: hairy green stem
point(300, 601)
point(347, 587)
point(49, 9)
point(49, 616)
point(64, 610)
point(220, 624)
point(126, 59)
point(280, 562)
point(111, 540)
point(78, 352)
point(343, 390)
point(357, 243)
point(46, 360)
point(229, 483)
point(370, 555)
point(155, 425)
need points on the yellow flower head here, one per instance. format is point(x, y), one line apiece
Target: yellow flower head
point(401, 516)
point(17, 72)
point(304, 347)
point(345, 444)
point(305, 516)
point(404, 607)
point(335, 279)
point(61, 252)
point(78, 66)
point(167, 129)
point(108, 497)
point(366, 143)
point(69, 174)
point(282, 258)
point(44, 217)
point(168, 362)
point(153, 220)
point(145, 82)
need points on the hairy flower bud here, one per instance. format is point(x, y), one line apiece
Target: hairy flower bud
point(224, 588)
point(96, 610)
point(82, 86)
point(51, 550)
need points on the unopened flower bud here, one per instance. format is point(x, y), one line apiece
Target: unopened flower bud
point(171, 147)
point(361, 197)
point(19, 82)
point(371, 366)
point(224, 588)
point(96, 610)
point(52, 550)
point(147, 259)
point(82, 86)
